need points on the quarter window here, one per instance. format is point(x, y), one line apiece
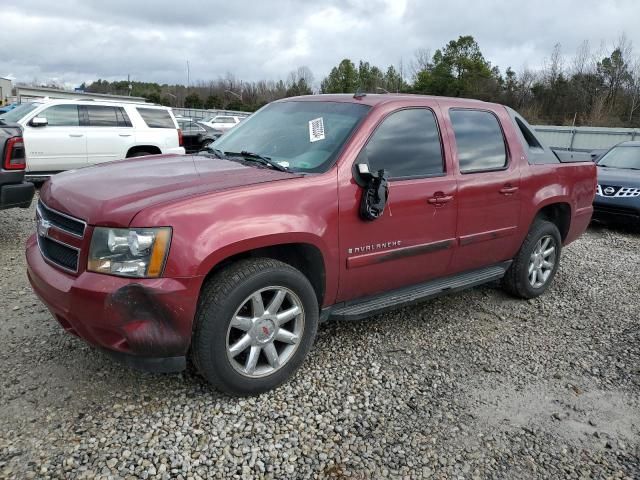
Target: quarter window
point(62, 116)
point(156, 118)
point(406, 144)
point(479, 140)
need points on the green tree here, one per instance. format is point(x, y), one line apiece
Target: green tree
point(615, 73)
point(458, 70)
point(213, 102)
point(341, 79)
point(193, 100)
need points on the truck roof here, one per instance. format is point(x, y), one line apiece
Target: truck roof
point(373, 99)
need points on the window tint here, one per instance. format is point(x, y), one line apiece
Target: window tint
point(406, 144)
point(123, 118)
point(531, 140)
point(100, 116)
point(479, 140)
point(62, 116)
point(156, 118)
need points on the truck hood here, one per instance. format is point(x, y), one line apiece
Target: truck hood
point(619, 177)
point(111, 194)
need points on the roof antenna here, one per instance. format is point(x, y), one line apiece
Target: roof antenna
point(359, 94)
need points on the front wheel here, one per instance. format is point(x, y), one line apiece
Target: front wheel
point(255, 324)
point(537, 262)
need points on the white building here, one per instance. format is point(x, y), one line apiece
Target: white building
point(6, 88)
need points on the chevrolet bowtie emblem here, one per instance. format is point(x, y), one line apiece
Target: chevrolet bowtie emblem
point(43, 227)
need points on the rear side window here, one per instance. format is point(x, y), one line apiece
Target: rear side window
point(103, 116)
point(479, 141)
point(62, 116)
point(156, 118)
point(224, 120)
point(528, 135)
point(406, 144)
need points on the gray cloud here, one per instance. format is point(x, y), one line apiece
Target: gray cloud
point(79, 40)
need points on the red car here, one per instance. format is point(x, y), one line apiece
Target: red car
point(315, 207)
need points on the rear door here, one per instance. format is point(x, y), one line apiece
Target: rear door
point(109, 133)
point(488, 190)
point(59, 145)
point(413, 241)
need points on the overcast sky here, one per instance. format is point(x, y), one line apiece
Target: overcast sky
point(71, 41)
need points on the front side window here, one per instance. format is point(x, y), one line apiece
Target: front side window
point(61, 116)
point(305, 136)
point(224, 120)
point(406, 144)
point(479, 141)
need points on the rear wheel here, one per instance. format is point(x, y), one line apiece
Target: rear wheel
point(139, 154)
point(256, 321)
point(537, 262)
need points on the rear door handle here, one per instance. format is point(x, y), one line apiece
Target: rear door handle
point(76, 135)
point(439, 198)
point(124, 134)
point(508, 190)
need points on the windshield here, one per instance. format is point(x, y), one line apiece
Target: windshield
point(622, 157)
point(19, 112)
point(302, 136)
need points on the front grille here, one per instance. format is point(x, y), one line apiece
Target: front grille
point(617, 192)
point(62, 221)
point(58, 253)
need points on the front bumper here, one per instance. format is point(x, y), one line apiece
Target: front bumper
point(145, 323)
point(14, 192)
point(616, 210)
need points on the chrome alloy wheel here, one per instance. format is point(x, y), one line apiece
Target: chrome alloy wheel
point(542, 261)
point(261, 340)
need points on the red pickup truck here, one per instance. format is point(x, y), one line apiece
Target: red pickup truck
point(315, 207)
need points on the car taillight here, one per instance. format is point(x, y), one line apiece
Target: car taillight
point(180, 141)
point(14, 156)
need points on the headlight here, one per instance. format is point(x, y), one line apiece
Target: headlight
point(134, 252)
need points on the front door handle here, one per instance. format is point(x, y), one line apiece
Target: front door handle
point(124, 134)
point(508, 189)
point(439, 198)
point(76, 135)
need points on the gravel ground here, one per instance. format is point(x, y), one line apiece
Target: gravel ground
point(474, 385)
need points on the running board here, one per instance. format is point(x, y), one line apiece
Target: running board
point(362, 308)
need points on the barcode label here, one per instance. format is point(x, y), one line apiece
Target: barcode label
point(316, 130)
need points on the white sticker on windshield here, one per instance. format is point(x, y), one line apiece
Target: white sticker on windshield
point(316, 130)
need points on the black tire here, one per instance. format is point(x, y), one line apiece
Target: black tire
point(516, 281)
point(219, 300)
point(139, 154)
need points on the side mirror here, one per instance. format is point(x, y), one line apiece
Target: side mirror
point(39, 122)
point(376, 192)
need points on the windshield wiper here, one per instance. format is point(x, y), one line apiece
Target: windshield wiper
point(216, 152)
point(256, 157)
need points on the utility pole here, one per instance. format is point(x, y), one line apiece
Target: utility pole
point(188, 76)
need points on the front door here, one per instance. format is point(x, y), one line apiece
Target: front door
point(488, 190)
point(59, 145)
point(413, 241)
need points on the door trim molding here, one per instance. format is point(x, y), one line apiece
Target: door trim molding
point(366, 259)
point(484, 236)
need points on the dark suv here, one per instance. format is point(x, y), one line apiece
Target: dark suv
point(618, 193)
point(14, 191)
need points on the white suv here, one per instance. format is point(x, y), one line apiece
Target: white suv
point(222, 122)
point(66, 134)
